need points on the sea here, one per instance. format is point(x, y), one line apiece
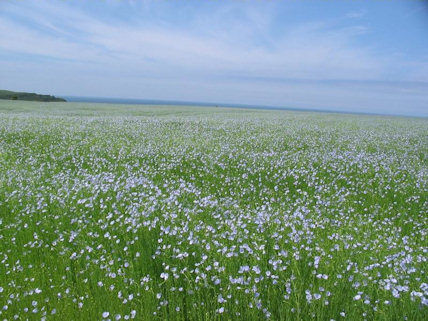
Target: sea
point(135, 101)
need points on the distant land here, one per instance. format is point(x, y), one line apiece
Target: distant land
point(14, 95)
point(138, 101)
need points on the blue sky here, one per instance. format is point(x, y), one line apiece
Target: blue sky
point(361, 56)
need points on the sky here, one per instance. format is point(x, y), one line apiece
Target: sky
point(353, 56)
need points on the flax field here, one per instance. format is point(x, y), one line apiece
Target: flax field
point(132, 212)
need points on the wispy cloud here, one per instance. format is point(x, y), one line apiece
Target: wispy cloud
point(236, 41)
point(356, 14)
point(212, 42)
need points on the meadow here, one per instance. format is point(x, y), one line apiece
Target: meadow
point(121, 212)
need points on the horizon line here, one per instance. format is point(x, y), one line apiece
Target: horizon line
point(159, 102)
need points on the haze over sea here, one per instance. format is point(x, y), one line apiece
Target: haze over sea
point(137, 101)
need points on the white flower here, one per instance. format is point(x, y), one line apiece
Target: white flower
point(220, 299)
point(106, 314)
point(256, 269)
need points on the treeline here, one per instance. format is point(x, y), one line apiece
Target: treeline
point(13, 95)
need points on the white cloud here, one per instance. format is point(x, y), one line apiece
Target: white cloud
point(356, 14)
point(212, 57)
point(215, 44)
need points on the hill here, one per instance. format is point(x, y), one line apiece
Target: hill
point(13, 95)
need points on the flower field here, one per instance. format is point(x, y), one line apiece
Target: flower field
point(186, 213)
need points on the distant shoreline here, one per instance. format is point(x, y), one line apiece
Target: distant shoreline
point(136, 101)
point(26, 96)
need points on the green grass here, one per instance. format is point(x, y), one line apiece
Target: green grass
point(252, 214)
